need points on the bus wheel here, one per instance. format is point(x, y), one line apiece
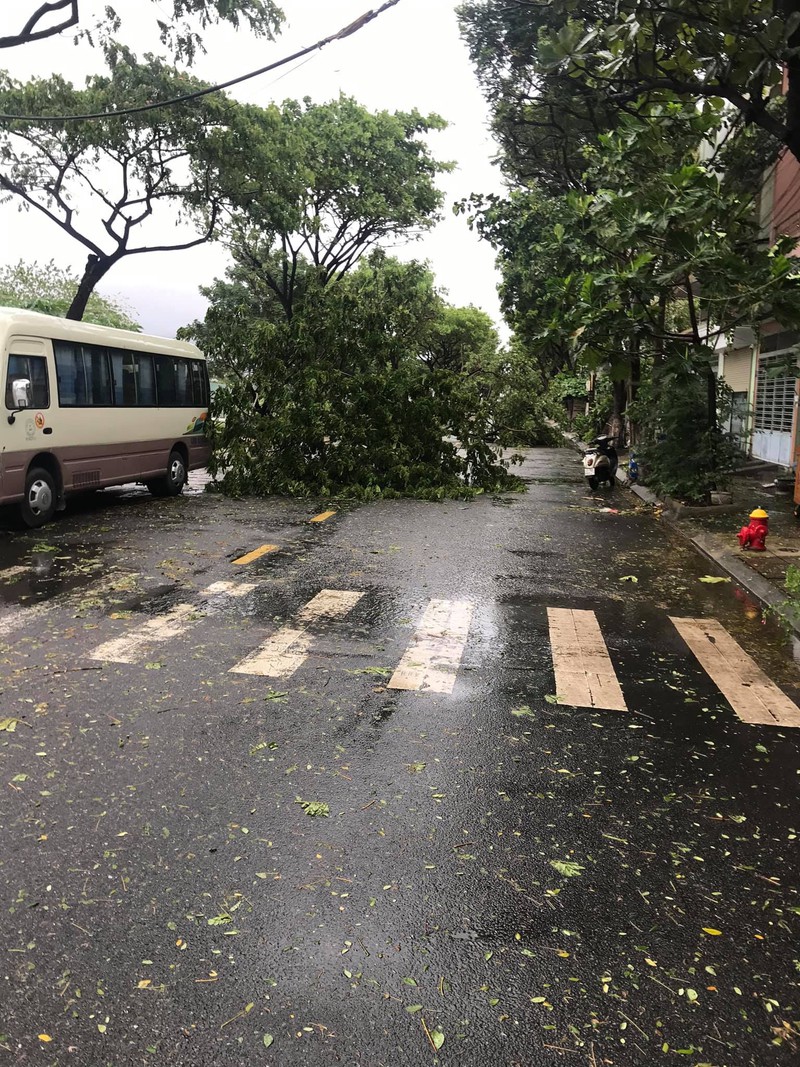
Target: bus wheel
point(173, 482)
point(39, 504)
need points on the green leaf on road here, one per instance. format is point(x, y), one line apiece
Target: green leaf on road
point(711, 579)
point(437, 1037)
point(567, 868)
point(412, 1009)
point(314, 807)
point(629, 578)
point(267, 1039)
point(523, 712)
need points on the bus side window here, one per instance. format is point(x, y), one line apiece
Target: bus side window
point(183, 382)
point(199, 390)
point(123, 372)
point(34, 368)
point(98, 377)
point(145, 380)
point(165, 381)
point(69, 374)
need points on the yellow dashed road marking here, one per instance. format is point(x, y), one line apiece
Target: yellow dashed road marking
point(753, 697)
point(324, 516)
point(257, 553)
point(585, 676)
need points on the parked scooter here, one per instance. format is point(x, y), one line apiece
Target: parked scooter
point(600, 462)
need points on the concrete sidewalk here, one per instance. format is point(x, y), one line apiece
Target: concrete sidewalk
point(713, 533)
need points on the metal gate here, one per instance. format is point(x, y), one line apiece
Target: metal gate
point(774, 410)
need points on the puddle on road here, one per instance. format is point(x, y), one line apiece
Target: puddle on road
point(32, 571)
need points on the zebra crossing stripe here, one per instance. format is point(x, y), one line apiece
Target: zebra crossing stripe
point(751, 694)
point(132, 647)
point(285, 651)
point(279, 657)
point(330, 604)
point(20, 617)
point(432, 659)
point(257, 553)
point(585, 676)
point(234, 589)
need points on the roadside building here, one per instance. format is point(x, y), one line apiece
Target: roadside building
point(760, 363)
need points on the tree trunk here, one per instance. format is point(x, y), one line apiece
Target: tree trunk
point(616, 423)
point(711, 385)
point(635, 381)
point(96, 269)
point(658, 339)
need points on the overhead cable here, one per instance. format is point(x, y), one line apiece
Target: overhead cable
point(352, 28)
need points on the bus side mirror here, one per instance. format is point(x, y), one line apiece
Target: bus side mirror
point(21, 396)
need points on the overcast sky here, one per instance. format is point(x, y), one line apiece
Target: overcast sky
point(411, 56)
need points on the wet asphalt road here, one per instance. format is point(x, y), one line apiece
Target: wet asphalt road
point(167, 899)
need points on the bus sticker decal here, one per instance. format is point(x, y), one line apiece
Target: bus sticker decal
point(197, 425)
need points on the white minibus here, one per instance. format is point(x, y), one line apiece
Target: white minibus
point(88, 406)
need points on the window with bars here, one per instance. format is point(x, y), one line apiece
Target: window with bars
point(774, 394)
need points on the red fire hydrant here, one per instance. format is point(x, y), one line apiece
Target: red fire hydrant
point(755, 533)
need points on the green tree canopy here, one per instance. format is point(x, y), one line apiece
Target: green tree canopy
point(180, 30)
point(552, 71)
point(50, 290)
point(328, 182)
point(117, 186)
point(339, 399)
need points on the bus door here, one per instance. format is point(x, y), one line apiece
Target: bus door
point(26, 428)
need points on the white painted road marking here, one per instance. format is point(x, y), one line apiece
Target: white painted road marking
point(234, 589)
point(132, 647)
point(285, 651)
point(432, 659)
point(20, 617)
point(585, 676)
point(751, 694)
point(330, 604)
point(279, 657)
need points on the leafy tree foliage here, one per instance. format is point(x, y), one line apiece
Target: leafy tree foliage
point(346, 371)
point(682, 453)
point(338, 399)
point(558, 68)
point(105, 182)
point(658, 260)
point(50, 290)
point(541, 117)
point(180, 30)
point(329, 182)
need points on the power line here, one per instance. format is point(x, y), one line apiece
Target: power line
point(352, 28)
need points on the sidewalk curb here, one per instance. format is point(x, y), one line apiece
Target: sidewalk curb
point(762, 589)
point(767, 593)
